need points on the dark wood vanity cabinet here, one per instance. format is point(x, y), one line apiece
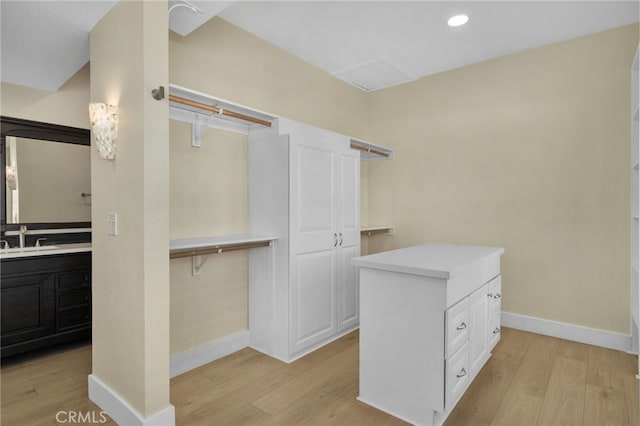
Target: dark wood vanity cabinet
point(45, 300)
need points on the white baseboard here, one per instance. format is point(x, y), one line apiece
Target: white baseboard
point(576, 333)
point(204, 354)
point(120, 410)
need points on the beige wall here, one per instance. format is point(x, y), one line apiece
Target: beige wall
point(129, 56)
point(529, 152)
point(68, 106)
point(208, 184)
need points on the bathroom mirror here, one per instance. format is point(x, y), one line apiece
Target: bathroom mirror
point(46, 178)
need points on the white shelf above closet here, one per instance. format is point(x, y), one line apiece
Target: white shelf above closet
point(204, 111)
point(377, 229)
point(369, 151)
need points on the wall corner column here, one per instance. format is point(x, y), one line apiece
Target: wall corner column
point(130, 377)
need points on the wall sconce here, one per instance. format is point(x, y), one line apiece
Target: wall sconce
point(104, 125)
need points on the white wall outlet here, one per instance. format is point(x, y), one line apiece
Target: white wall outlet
point(112, 224)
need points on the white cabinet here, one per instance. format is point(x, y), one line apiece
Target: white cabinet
point(426, 326)
point(495, 303)
point(635, 206)
point(304, 187)
point(479, 324)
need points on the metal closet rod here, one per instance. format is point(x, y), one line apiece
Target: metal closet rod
point(218, 110)
point(199, 251)
point(371, 150)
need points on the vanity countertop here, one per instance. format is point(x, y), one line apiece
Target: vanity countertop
point(431, 260)
point(16, 252)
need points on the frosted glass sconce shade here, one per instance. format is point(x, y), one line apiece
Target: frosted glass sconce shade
point(104, 125)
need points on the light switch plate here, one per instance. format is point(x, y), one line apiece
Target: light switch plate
point(112, 224)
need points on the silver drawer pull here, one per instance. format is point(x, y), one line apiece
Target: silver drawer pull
point(490, 295)
point(461, 326)
point(497, 330)
point(497, 296)
point(335, 240)
point(462, 373)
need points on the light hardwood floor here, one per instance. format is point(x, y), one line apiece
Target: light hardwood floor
point(529, 380)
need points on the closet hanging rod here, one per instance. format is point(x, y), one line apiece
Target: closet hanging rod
point(371, 150)
point(216, 249)
point(217, 110)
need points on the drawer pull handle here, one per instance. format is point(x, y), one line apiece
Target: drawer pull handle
point(497, 330)
point(462, 373)
point(490, 295)
point(461, 326)
point(497, 296)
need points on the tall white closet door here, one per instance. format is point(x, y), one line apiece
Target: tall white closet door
point(349, 237)
point(313, 241)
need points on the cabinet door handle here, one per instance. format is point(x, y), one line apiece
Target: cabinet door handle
point(335, 239)
point(462, 326)
point(462, 373)
point(341, 238)
point(497, 330)
point(497, 296)
point(490, 295)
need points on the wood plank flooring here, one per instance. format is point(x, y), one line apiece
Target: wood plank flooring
point(529, 380)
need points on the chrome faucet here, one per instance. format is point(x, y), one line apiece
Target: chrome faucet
point(21, 234)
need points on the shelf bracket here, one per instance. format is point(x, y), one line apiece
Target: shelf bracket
point(198, 127)
point(197, 262)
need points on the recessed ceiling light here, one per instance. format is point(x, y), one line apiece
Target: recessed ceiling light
point(456, 21)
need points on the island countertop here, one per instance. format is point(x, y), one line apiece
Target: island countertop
point(431, 260)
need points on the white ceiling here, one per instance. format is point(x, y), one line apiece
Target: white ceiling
point(371, 44)
point(382, 43)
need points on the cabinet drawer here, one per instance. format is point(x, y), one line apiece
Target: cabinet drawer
point(494, 329)
point(73, 299)
point(74, 318)
point(457, 375)
point(457, 326)
point(73, 280)
point(495, 295)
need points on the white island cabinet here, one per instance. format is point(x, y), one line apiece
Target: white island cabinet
point(429, 318)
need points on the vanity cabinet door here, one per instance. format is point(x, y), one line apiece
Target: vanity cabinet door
point(28, 308)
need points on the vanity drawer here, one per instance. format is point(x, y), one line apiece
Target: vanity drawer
point(494, 329)
point(73, 299)
point(495, 295)
point(74, 318)
point(457, 375)
point(73, 280)
point(457, 326)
